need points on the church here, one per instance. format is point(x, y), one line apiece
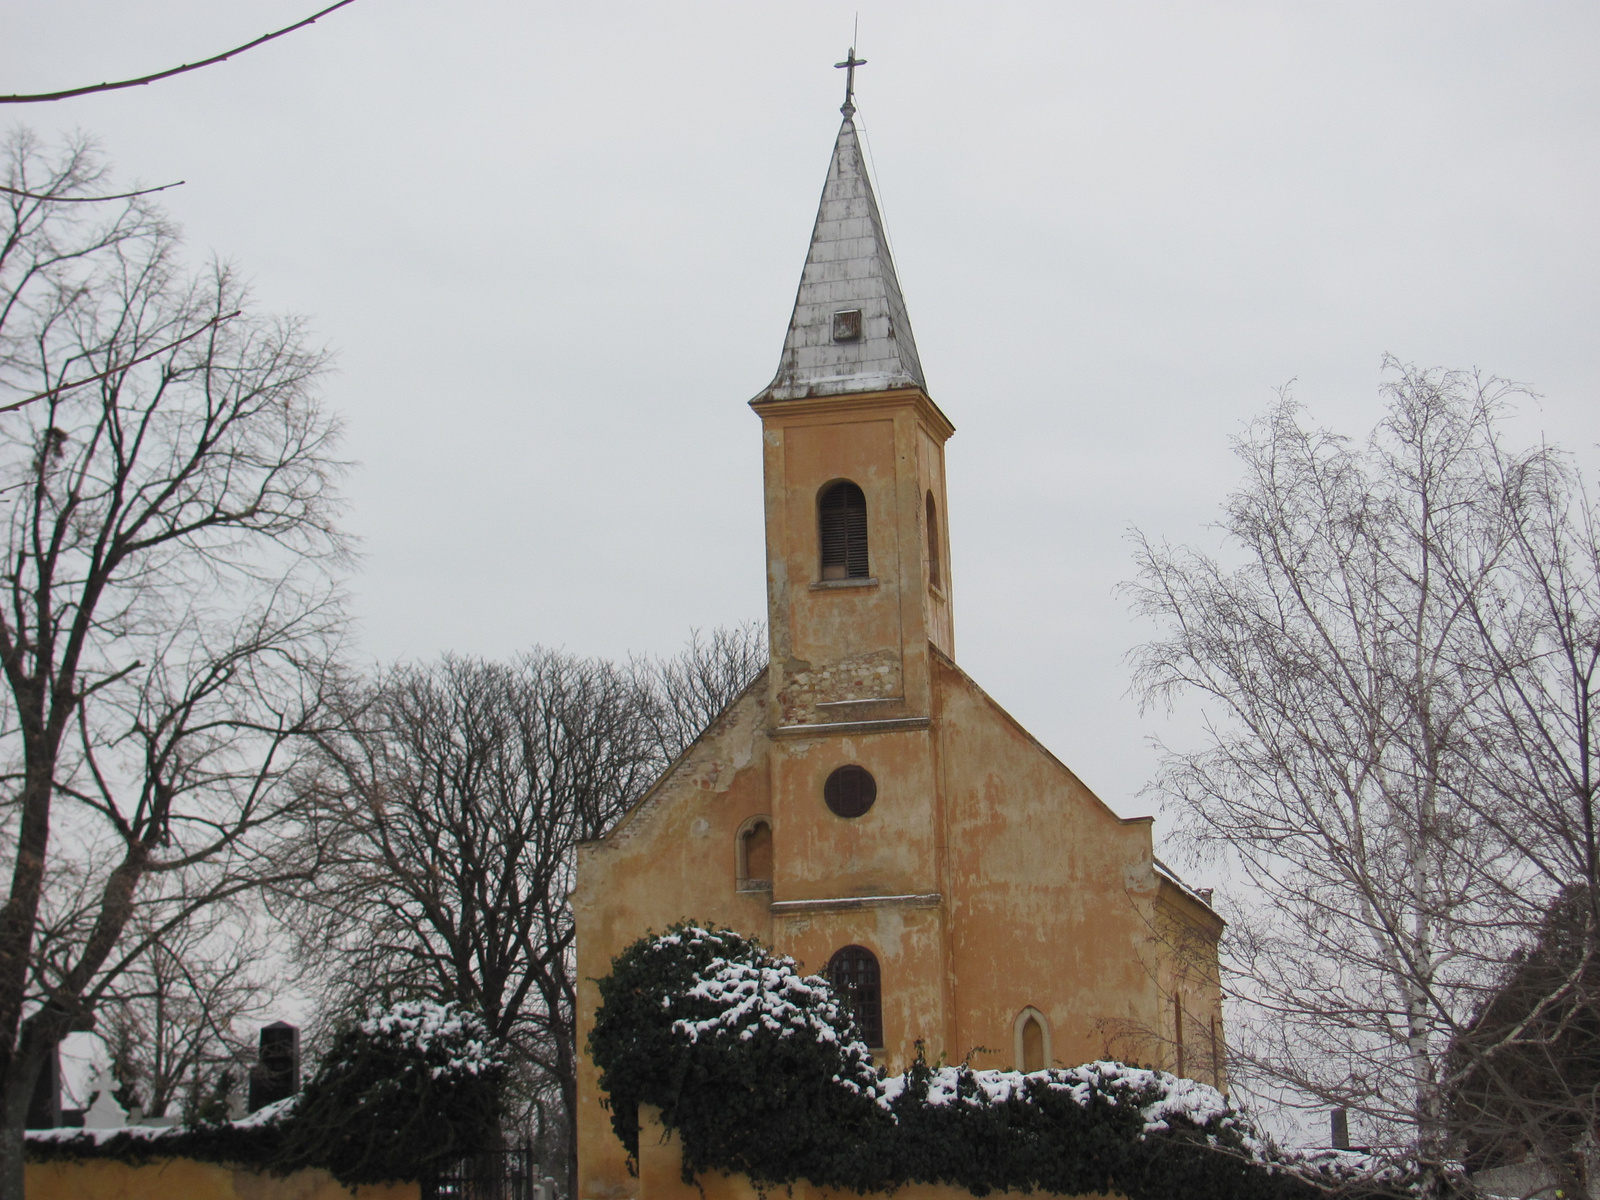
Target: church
point(865, 807)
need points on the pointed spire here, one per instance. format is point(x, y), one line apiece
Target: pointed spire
point(849, 332)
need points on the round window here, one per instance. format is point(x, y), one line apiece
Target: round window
point(850, 791)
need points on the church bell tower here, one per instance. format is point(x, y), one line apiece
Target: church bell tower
point(859, 604)
point(858, 563)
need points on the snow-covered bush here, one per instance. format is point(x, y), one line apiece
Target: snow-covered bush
point(401, 1092)
point(761, 1070)
point(699, 1020)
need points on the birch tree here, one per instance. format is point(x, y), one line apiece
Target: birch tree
point(1396, 668)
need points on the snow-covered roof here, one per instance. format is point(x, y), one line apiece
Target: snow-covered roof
point(829, 351)
point(1172, 877)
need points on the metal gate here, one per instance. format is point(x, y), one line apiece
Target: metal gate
point(509, 1174)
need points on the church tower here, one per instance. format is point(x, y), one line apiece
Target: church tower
point(858, 601)
point(858, 577)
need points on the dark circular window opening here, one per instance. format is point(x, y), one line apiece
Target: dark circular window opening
point(850, 791)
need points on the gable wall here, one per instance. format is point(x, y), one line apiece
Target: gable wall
point(672, 858)
point(1050, 893)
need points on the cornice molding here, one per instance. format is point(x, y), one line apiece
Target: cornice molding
point(859, 402)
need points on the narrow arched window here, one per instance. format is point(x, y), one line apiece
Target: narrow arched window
point(755, 857)
point(842, 520)
point(1177, 1032)
point(933, 544)
point(853, 972)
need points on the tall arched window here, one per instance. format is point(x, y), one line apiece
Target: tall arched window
point(842, 519)
point(853, 972)
point(933, 544)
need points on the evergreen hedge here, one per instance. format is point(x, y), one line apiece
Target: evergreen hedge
point(761, 1071)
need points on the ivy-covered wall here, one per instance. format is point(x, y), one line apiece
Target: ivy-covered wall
point(760, 1077)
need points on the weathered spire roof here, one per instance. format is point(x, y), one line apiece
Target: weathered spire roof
point(848, 271)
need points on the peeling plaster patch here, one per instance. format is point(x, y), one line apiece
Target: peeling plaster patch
point(700, 828)
point(867, 677)
point(891, 931)
point(1139, 876)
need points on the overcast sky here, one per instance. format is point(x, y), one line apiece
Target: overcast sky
point(555, 247)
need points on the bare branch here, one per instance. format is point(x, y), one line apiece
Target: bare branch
point(195, 66)
point(11, 191)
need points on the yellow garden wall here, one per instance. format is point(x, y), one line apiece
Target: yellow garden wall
point(186, 1179)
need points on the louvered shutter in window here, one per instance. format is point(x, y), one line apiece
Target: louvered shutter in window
point(843, 522)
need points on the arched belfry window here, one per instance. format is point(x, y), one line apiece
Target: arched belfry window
point(842, 518)
point(933, 544)
point(853, 972)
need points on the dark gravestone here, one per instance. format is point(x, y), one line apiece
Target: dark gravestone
point(44, 1108)
point(1340, 1129)
point(276, 1075)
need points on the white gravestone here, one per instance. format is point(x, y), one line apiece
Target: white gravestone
point(105, 1112)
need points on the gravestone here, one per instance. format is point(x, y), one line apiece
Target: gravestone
point(105, 1112)
point(44, 1108)
point(276, 1075)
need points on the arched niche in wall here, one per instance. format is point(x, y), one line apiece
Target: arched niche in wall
point(1031, 1040)
point(753, 863)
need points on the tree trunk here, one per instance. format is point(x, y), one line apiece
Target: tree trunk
point(16, 1090)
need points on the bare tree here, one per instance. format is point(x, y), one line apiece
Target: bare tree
point(182, 69)
point(166, 622)
point(451, 807)
point(175, 1027)
point(1393, 726)
point(693, 686)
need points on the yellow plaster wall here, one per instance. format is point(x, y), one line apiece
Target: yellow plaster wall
point(937, 600)
point(185, 1179)
point(857, 640)
point(888, 850)
point(1186, 933)
point(1050, 891)
point(986, 878)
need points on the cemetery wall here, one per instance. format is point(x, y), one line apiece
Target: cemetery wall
point(174, 1178)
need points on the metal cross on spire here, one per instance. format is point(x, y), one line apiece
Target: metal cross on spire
point(850, 63)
